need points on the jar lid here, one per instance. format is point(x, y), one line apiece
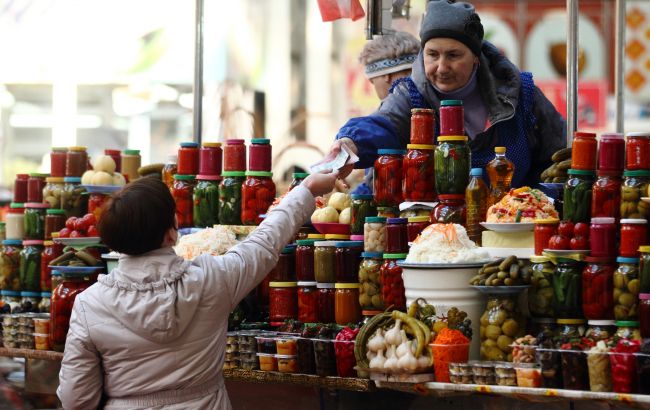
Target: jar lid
point(48, 243)
point(499, 150)
point(12, 242)
point(451, 196)
point(644, 296)
point(262, 141)
point(461, 138)
point(38, 175)
point(584, 134)
point(421, 146)
point(30, 294)
point(131, 152)
point(55, 212)
point(211, 144)
point(33, 242)
point(72, 180)
point(289, 249)
point(54, 180)
point(46, 294)
point(375, 219)
point(476, 172)
point(547, 221)
point(418, 219)
point(451, 103)
point(259, 174)
point(329, 236)
point(539, 259)
point(349, 244)
point(581, 172)
point(316, 236)
point(55, 272)
point(305, 242)
point(571, 321)
point(208, 177)
point(297, 175)
point(622, 259)
point(189, 145)
point(111, 152)
point(421, 110)
point(396, 221)
point(347, 285)
point(638, 134)
point(307, 283)
point(544, 320)
point(59, 149)
point(285, 356)
point(283, 284)
point(601, 322)
point(356, 238)
point(395, 256)
point(644, 249)
point(604, 221)
point(627, 323)
point(77, 148)
point(637, 173)
point(40, 205)
point(631, 221)
point(9, 293)
point(612, 136)
point(184, 177)
point(320, 285)
point(233, 174)
point(324, 243)
point(391, 152)
point(598, 259)
point(55, 235)
point(235, 141)
point(375, 255)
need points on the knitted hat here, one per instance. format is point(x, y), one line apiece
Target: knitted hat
point(445, 18)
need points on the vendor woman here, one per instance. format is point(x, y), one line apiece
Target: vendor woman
point(502, 105)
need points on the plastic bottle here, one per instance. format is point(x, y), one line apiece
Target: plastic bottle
point(500, 171)
point(476, 196)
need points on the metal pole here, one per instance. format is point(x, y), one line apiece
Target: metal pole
point(572, 70)
point(198, 73)
point(618, 64)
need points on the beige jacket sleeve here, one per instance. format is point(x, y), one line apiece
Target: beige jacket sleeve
point(246, 264)
point(80, 378)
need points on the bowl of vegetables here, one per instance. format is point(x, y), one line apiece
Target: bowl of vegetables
point(332, 228)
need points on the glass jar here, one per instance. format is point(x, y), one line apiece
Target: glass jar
point(10, 264)
point(611, 152)
point(388, 174)
point(501, 324)
point(347, 258)
point(635, 186)
point(96, 203)
point(57, 161)
point(30, 265)
point(598, 330)
point(205, 212)
point(117, 158)
point(415, 226)
point(644, 269)
point(567, 295)
point(183, 191)
point(188, 158)
point(76, 161)
point(569, 329)
point(452, 118)
point(210, 158)
point(54, 221)
point(626, 289)
point(307, 302)
point(53, 191)
point(577, 196)
point(29, 302)
point(396, 235)
point(346, 304)
point(15, 222)
point(259, 155)
point(57, 278)
point(230, 197)
point(370, 292)
point(324, 262)
point(602, 237)
point(606, 196)
point(73, 202)
point(583, 151)
point(62, 301)
point(20, 188)
point(634, 233)
point(374, 234)
point(452, 165)
point(540, 294)
point(423, 125)
point(34, 220)
point(169, 170)
point(644, 315)
point(419, 182)
point(637, 151)
point(234, 155)
point(283, 301)
point(628, 329)
point(543, 231)
point(325, 301)
point(44, 304)
point(477, 197)
point(285, 269)
point(10, 301)
point(450, 209)
point(51, 251)
point(298, 177)
point(362, 206)
point(305, 260)
point(391, 282)
point(35, 185)
point(258, 193)
point(131, 162)
point(598, 288)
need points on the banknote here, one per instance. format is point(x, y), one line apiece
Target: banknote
point(344, 157)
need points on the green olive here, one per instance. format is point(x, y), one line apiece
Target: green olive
point(626, 299)
point(497, 317)
point(504, 342)
point(484, 319)
point(377, 302)
point(492, 332)
point(510, 327)
point(633, 286)
point(620, 312)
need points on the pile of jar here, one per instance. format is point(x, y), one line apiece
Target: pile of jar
point(496, 373)
point(241, 351)
point(26, 331)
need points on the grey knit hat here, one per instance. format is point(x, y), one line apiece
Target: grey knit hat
point(448, 19)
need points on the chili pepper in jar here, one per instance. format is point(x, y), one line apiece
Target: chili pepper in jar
point(344, 350)
point(598, 288)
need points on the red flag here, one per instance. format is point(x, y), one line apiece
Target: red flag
point(331, 10)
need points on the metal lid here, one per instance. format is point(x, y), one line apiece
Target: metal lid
point(30, 294)
point(209, 177)
point(459, 138)
point(307, 283)
point(46, 294)
point(399, 256)
point(539, 259)
point(622, 259)
point(283, 284)
point(55, 212)
point(548, 221)
point(605, 221)
point(261, 141)
point(347, 285)
point(638, 134)
point(329, 236)
point(644, 296)
point(320, 285)
point(631, 221)
point(581, 172)
point(181, 177)
point(638, 173)
point(421, 146)
point(599, 259)
point(33, 242)
point(72, 180)
point(375, 219)
point(36, 205)
point(362, 196)
point(9, 293)
point(418, 219)
point(375, 255)
point(627, 323)
point(12, 242)
point(189, 144)
point(211, 144)
point(451, 103)
point(305, 242)
point(476, 172)
point(601, 322)
point(235, 141)
point(38, 175)
point(349, 244)
point(324, 243)
point(391, 152)
point(571, 321)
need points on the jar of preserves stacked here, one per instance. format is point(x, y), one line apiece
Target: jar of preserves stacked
point(325, 301)
point(362, 206)
point(543, 231)
point(61, 304)
point(370, 294)
point(206, 201)
point(598, 288)
point(52, 191)
point(419, 182)
point(626, 289)
point(54, 221)
point(501, 324)
point(307, 302)
point(35, 185)
point(390, 279)
point(452, 117)
point(635, 186)
point(346, 303)
point(260, 153)
point(628, 329)
point(10, 264)
point(44, 304)
point(258, 193)
point(634, 233)
point(57, 161)
point(15, 221)
point(29, 302)
point(96, 203)
point(540, 294)
point(606, 195)
point(210, 158)
point(34, 220)
point(347, 257)
point(644, 315)
point(297, 179)
point(285, 269)
point(477, 196)
point(644, 269)
point(415, 226)
point(583, 151)
point(305, 260)
point(183, 194)
point(73, 202)
point(230, 197)
point(234, 155)
point(637, 151)
point(51, 251)
point(611, 153)
point(20, 188)
point(452, 165)
point(423, 124)
point(188, 158)
point(602, 237)
point(569, 329)
point(324, 261)
point(131, 162)
point(116, 154)
point(30, 265)
point(567, 295)
point(577, 195)
point(10, 301)
point(388, 173)
point(450, 209)
point(76, 161)
point(283, 301)
point(396, 235)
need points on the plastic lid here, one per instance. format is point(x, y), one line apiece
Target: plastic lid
point(233, 174)
point(307, 283)
point(329, 236)
point(320, 285)
point(283, 284)
point(54, 180)
point(425, 110)
point(622, 259)
point(581, 172)
point(376, 255)
point(259, 174)
point(547, 221)
point(38, 175)
point(297, 175)
point(33, 242)
point(316, 236)
point(418, 219)
point(184, 177)
point(262, 141)
point(375, 219)
point(56, 272)
point(605, 221)
point(347, 285)
point(421, 146)
point(12, 242)
point(30, 294)
point(638, 134)
point(324, 243)
point(55, 235)
point(59, 149)
point(235, 141)
point(289, 249)
point(395, 255)
point(571, 321)
point(396, 221)
point(349, 244)
point(476, 172)
point(644, 296)
point(55, 212)
point(584, 134)
point(40, 205)
point(644, 249)
point(131, 152)
point(391, 152)
point(500, 150)
point(638, 173)
point(453, 138)
point(189, 145)
point(17, 205)
point(305, 242)
point(598, 259)
point(208, 177)
point(627, 323)
point(631, 221)
point(539, 259)
point(450, 103)
point(601, 322)
point(77, 148)
point(46, 294)
point(451, 196)
point(211, 144)
point(73, 180)
point(356, 238)
point(9, 293)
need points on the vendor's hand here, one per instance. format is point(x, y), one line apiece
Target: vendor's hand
point(345, 170)
point(321, 183)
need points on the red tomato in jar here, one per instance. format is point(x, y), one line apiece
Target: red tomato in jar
point(579, 243)
point(581, 229)
point(559, 242)
point(565, 229)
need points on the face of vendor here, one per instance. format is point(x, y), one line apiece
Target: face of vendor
point(383, 83)
point(448, 63)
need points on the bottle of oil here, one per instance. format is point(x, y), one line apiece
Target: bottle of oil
point(476, 196)
point(500, 171)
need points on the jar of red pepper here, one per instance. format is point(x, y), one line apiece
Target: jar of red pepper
point(598, 288)
point(583, 151)
point(623, 364)
point(611, 153)
point(234, 155)
point(35, 185)
point(392, 285)
point(452, 117)
point(258, 193)
point(415, 226)
point(634, 233)
point(57, 162)
point(396, 235)
point(419, 182)
point(259, 155)
point(51, 251)
point(423, 126)
point(188, 158)
point(644, 314)
point(305, 260)
point(20, 188)
point(388, 173)
point(450, 209)
point(283, 301)
point(347, 258)
point(637, 151)
point(210, 158)
point(63, 298)
point(544, 230)
point(183, 191)
point(606, 195)
point(307, 302)
point(325, 300)
point(116, 154)
point(602, 237)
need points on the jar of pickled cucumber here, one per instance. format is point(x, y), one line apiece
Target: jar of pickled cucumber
point(362, 207)
point(501, 324)
point(452, 165)
point(370, 294)
point(10, 264)
point(626, 289)
point(540, 294)
point(567, 295)
point(230, 197)
point(206, 201)
point(30, 265)
point(577, 195)
point(34, 220)
point(635, 186)
point(73, 202)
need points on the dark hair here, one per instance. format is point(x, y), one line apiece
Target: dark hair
point(137, 217)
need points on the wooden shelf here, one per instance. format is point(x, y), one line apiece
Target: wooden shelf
point(338, 383)
point(31, 354)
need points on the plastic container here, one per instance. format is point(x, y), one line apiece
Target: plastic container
point(415, 226)
point(477, 196)
point(387, 181)
point(575, 375)
point(210, 155)
point(635, 186)
point(419, 181)
point(347, 257)
point(550, 362)
point(528, 375)
point(611, 153)
point(396, 235)
point(73, 200)
point(76, 161)
point(577, 196)
point(583, 151)
point(634, 233)
point(325, 261)
point(283, 301)
point(600, 375)
point(57, 161)
point(234, 155)
point(626, 289)
point(326, 302)
point(452, 165)
point(370, 291)
point(637, 151)
point(266, 343)
point(346, 303)
point(259, 155)
point(35, 185)
point(598, 288)
point(131, 162)
point(567, 296)
point(345, 361)
point(606, 196)
point(230, 191)
point(540, 294)
point(34, 220)
point(452, 117)
point(450, 209)
point(268, 362)
point(183, 194)
point(287, 363)
point(325, 357)
point(286, 345)
point(258, 193)
point(445, 354)
point(61, 307)
point(423, 124)
point(392, 284)
point(543, 231)
point(374, 234)
point(15, 222)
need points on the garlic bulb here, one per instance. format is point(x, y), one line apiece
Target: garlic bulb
point(377, 342)
point(391, 363)
point(404, 346)
point(424, 362)
point(408, 361)
point(378, 361)
point(393, 336)
point(371, 355)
